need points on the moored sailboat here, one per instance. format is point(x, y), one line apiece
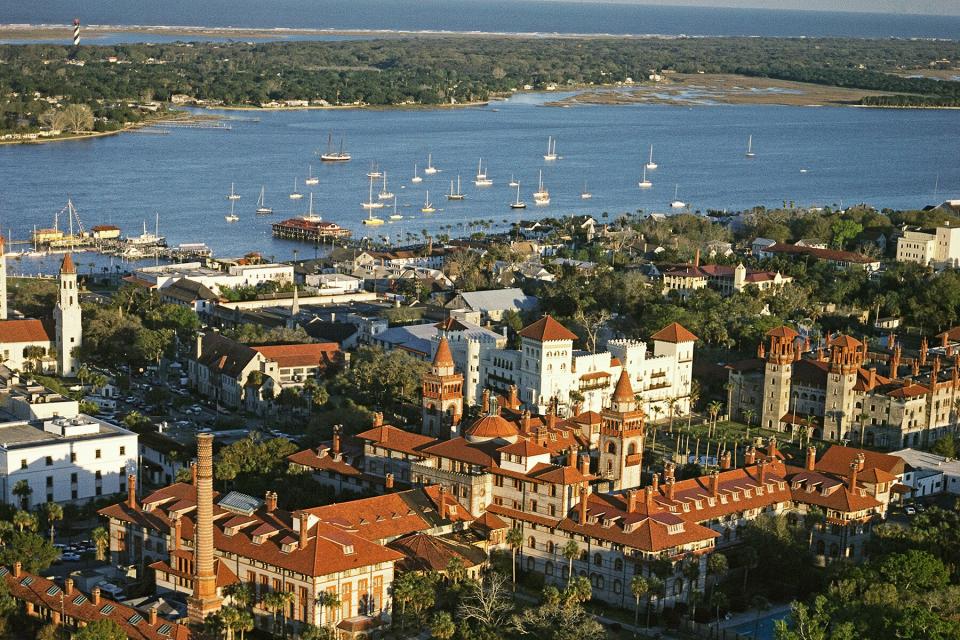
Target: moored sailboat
point(262, 208)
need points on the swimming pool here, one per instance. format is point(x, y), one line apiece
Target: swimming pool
point(762, 628)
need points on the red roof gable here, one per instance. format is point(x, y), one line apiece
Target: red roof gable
point(547, 329)
point(23, 331)
point(674, 332)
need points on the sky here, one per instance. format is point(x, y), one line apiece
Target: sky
point(933, 7)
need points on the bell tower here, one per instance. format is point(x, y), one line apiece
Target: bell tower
point(442, 395)
point(777, 376)
point(621, 437)
point(846, 358)
point(68, 320)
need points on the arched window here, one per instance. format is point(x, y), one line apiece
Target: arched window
point(632, 449)
point(618, 564)
point(617, 586)
point(532, 542)
point(598, 559)
point(678, 586)
point(551, 548)
point(548, 568)
point(612, 447)
point(531, 563)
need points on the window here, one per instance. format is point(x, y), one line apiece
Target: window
point(532, 542)
point(49, 461)
point(73, 456)
point(23, 463)
point(618, 565)
point(49, 481)
point(617, 586)
point(97, 455)
point(123, 451)
point(73, 478)
point(598, 559)
point(548, 568)
point(99, 475)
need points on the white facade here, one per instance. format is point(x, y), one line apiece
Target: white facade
point(469, 348)
point(328, 283)
point(253, 274)
point(938, 247)
point(929, 474)
point(3, 280)
point(69, 322)
point(65, 459)
point(163, 275)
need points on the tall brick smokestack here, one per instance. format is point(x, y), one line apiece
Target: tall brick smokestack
point(204, 600)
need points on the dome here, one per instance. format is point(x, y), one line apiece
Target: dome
point(490, 428)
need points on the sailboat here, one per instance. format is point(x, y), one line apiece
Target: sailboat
point(384, 194)
point(677, 203)
point(311, 179)
point(585, 195)
point(296, 195)
point(644, 183)
point(416, 178)
point(232, 217)
point(750, 153)
point(371, 203)
point(455, 195)
point(513, 181)
point(262, 208)
point(395, 215)
point(233, 195)
point(427, 205)
point(311, 216)
point(334, 156)
point(518, 204)
point(372, 220)
point(541, 195)
point(482, 180)
point(551, 153)
point(650, 163)
point(430, 170)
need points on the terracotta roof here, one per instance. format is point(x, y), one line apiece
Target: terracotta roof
point(953, 334)
point(432, 553)
point(524, 448)
point(847, 341)
point(443, 357)
point(390, 437)
point(324, 461)
point(624, 392)
point(46, 593)
point(491, 427)
point(837, 459)
point(483, 453)
point(587, 417)
point(451, 324)
point(908, 391)
point(815, 488)
point(67, 265)
point(225, 576)
point(674, 332)
point(302, 355)
point(782, 332)
point(595, 375)
point(490, 521)
point(554, 474)
point(547, 329)
point(383, 518)
point(12, 331)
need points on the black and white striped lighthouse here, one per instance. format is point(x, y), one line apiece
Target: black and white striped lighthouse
point(76, 32)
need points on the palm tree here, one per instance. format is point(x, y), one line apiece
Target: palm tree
point(24, 520)
point(23, 490)
point(327, 600)
point(671, 408)
point(718, 600)
point(6, 528)
point(241, 594)
point(228, 618)
point(694, 398)
point(515, 540)
point(101, 539)
point(748, 415)
point(570, 551)
point(54, 513)
point(655, 590)
point(717, 565)
point(638, 587)
point(863, 427)
point(714, 409)
point(749, 557)
point(275, 602)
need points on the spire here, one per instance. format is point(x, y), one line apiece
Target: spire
point(443, 358)
point(623, 392)
point(295, 308)
point(67, 266)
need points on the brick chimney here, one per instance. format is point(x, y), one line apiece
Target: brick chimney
point(854, 470)
point(388, 481)
point(631, 500)
point(585, 464)
point(193, 473)
point(669, 471)
point(811, 459)
point(377, 419)
point(750, 457)
point(176, 530)
point(715, 484)
point(270, 501)
point(772, 448)
point(485, 401)
point(572, 457)
point(17, 569)
point(552, 419)
point(514, 398)
point(443, 503)
point(204, 600)
point(303, 528)
point(861, 461)
point(336, 434)
point(726, 461)
point(582, 512)
point(648, 498)
point(132, 491)
point(671, 485)
point(762, 471)
point(873, 377)
point(152, 616)
point(95, 596)
point(655, 483)
point(68, 587)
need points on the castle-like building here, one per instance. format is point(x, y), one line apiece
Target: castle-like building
point(43, 345)
point(843, 392)
point(548, 372)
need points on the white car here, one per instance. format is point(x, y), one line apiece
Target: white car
point(910, 511)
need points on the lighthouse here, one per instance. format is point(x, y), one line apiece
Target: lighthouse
point(76, 32)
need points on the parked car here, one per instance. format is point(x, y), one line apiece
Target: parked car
point(910, 511)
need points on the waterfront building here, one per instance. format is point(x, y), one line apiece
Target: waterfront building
point(938, 247)
point(683, 280)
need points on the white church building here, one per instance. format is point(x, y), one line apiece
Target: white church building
point(58, 339)
point(547, 370)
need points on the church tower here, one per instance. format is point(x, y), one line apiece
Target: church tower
point(3, 279)
point(777, 376)
point(442, 395)
point(67, 316)
point(846, 358)
point(621, 437)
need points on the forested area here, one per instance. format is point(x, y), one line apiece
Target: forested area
point(36, 80)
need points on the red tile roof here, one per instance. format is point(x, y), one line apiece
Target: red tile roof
point(324, 460)
point(43, 592)
point(908, 391)
point(547, 329)
point(491, 427)
point(782, 332)
point(67, 265)
point(524, 448)
point(302, 355)
point(431, 553)
point(624, 392)
point(390, 437)
point(12, 331)
point(847, 341)
point(674, 332)
point(836, 460)
point(443, 356)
